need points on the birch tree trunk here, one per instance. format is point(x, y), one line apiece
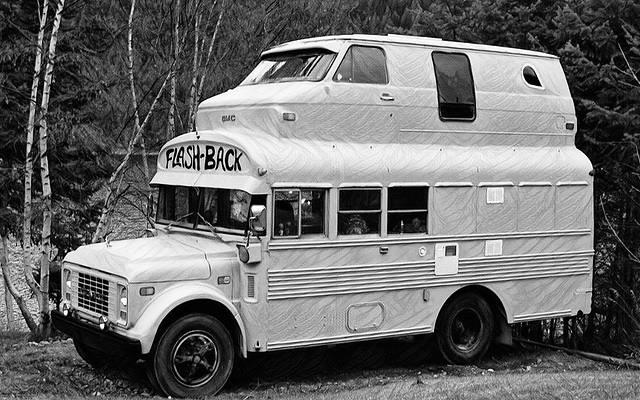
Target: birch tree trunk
point(194, 74)
point(207, 62)
point(28, 169)
point(134, 98)
point(44, 325)
point(6, 274)
point(171, 128)
point(8, 299)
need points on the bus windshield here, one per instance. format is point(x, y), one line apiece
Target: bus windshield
point(308, 65)
point(203, 208)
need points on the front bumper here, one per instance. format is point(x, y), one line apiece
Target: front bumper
point(105, 341)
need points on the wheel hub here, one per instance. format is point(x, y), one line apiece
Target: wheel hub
point(195, 359)
point(467, 326)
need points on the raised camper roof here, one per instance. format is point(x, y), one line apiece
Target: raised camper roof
point(415, 91)
point(333, 43)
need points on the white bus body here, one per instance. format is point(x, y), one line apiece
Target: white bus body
point(405, 186)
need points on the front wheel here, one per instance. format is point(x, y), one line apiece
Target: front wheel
point(464, 329)
point(194, 357)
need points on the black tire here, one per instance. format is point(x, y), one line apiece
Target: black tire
point(194, 357)
point(150, 373)
point(95, 358)
point(465, 329)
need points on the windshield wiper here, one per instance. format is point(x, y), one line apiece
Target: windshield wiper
point(211, 227)
point(180, 219)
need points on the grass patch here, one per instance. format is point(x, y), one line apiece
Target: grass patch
point(53, 369)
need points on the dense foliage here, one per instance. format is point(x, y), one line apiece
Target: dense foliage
point(91, 116)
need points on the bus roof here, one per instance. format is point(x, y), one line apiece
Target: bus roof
point(318, 163)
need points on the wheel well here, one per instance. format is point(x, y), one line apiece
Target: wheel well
point(499, 313)
point(208, 307)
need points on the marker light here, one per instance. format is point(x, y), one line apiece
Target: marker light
point(289, 116)
point(147, 291)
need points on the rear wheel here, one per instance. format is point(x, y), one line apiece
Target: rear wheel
point(464, 329)
point(194, 357)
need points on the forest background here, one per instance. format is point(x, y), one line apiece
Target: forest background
point(128, 77)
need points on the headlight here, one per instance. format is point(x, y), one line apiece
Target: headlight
point(123, 303)
point(103, 322)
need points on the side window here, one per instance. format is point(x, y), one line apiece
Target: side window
point(286, 213)
point(363, 64)
point(456, 93)
point(407, 210)
point(299, 212)
point(530, 76)
point(359, 211)
point(313, 211)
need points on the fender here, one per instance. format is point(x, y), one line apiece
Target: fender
point(156, 311)
point(486, 290)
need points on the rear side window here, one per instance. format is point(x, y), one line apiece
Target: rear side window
point(456, 94)
point(531, 77)
point(363, 64)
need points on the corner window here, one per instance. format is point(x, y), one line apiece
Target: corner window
point(363, 64)
point(299, 212)
point(407, 210)
point(359, 211)
point(456, 93)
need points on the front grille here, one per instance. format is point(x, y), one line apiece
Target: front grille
point(93, 293)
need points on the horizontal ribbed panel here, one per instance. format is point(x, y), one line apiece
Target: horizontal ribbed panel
point(353, 279)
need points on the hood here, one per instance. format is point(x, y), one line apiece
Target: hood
point(161, 258)
point(261, 107)
point(268, 94)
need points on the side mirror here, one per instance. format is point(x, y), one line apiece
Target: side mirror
point(258, 219)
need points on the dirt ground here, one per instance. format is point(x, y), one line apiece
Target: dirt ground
point(382, 369)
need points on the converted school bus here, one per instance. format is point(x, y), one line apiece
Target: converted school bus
point(350, 188)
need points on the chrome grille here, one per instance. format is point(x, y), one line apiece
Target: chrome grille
point(93, 293)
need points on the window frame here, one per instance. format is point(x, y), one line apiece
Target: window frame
point(193, 219)
point(349, 53)
point(300, 226)
point(473, 88)
point(535, 71)
point(378, 211)
point(416, 211)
